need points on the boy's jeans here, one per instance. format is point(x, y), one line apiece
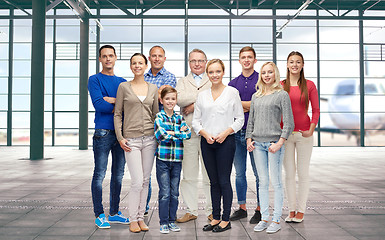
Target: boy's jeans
point(168, 176)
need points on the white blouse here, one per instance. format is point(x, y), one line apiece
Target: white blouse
point(216, 116)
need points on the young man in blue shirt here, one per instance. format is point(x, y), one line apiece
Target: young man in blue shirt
point(102, 88)
point(245, 84)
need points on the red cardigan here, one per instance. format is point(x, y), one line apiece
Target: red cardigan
point(301, 118)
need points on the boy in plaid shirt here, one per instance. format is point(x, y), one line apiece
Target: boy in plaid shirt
point(170, 130)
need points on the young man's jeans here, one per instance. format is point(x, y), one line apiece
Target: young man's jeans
point(104, 141)
point(266, 161)
point(168, 176)
point(218, 159)
point(240, 162)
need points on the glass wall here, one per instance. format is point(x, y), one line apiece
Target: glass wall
point(332, 62)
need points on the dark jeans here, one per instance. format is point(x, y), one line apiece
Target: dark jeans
point(240, 162)
point(168, 176)
point(104, 141)
point(218, 159)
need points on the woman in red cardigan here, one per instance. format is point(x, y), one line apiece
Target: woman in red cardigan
point(301, 92)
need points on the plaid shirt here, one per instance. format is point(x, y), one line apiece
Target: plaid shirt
point(163, 77)
point(170, 147)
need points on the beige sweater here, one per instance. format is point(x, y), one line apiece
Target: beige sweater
point(138, 117)
point(188, 93)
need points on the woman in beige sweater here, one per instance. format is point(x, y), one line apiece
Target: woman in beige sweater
point(135, 109)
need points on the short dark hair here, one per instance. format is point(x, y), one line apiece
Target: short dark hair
point(247, 49)
point(106, 46)
point(139, 54)
point(166, 90)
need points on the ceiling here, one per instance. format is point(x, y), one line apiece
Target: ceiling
point(207, 4)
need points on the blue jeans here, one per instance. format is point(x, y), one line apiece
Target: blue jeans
point(168, 176)
point(266, 161)
point(240, 162)
point(218, 159)
point(104, 141)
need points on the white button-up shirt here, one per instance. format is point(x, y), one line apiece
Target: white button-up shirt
point(216, 116)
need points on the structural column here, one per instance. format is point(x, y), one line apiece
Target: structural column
point(362, 79)
point(10, 79)
point(37, 80)
point(83, 80)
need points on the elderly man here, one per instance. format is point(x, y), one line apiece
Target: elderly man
point(188, 88)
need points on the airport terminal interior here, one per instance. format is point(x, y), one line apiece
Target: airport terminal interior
point(49, 48)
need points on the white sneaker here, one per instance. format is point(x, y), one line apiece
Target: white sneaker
point(273, 227)
point(262, 225)
point(288, 219)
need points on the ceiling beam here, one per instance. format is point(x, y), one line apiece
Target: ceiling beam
point(362, 4)
point(318, 5)
point(221, 7)
point(10, 2)
point(53, 4)
point(373, 5)
point(143, 12)
point(118, 6)
point(76, 8)
point(300, 9)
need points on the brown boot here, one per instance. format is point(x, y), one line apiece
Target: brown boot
point(187, 217)
point(143, 226)
point(134, 227)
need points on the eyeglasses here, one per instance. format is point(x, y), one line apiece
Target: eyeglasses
point(197, 61)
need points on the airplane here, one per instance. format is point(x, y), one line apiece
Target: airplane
point(344, 108)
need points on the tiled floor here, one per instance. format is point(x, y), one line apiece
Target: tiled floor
point(51, 199)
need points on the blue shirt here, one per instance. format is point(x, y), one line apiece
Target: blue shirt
point(246, 89)
point(99, 86)
point(170, 147)
point(163, 77)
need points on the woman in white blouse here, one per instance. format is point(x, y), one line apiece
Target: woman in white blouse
point(218, 115)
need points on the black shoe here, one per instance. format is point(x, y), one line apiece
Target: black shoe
point(256, 217)
point(221, 229)
point(209, 227)
point(239, 214)
point(145, 214)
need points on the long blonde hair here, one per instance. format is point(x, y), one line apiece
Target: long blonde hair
point(261, 86)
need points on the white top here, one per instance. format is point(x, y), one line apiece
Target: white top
point(216, 116)
point(141, 98)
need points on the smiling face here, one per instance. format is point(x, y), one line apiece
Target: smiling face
point(268, 75)
point(157, 58)
point(215, 73)
point(295, 64)
point(107, 58)
point(247, 60)
point(197, 62)
point(169, 101)
point(138, 65)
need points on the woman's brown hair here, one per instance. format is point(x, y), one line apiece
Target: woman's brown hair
point(302, 84)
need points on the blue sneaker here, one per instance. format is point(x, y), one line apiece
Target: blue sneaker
point(102, 222)
point(173, 227)
point(164, 228)
point(118, 218)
